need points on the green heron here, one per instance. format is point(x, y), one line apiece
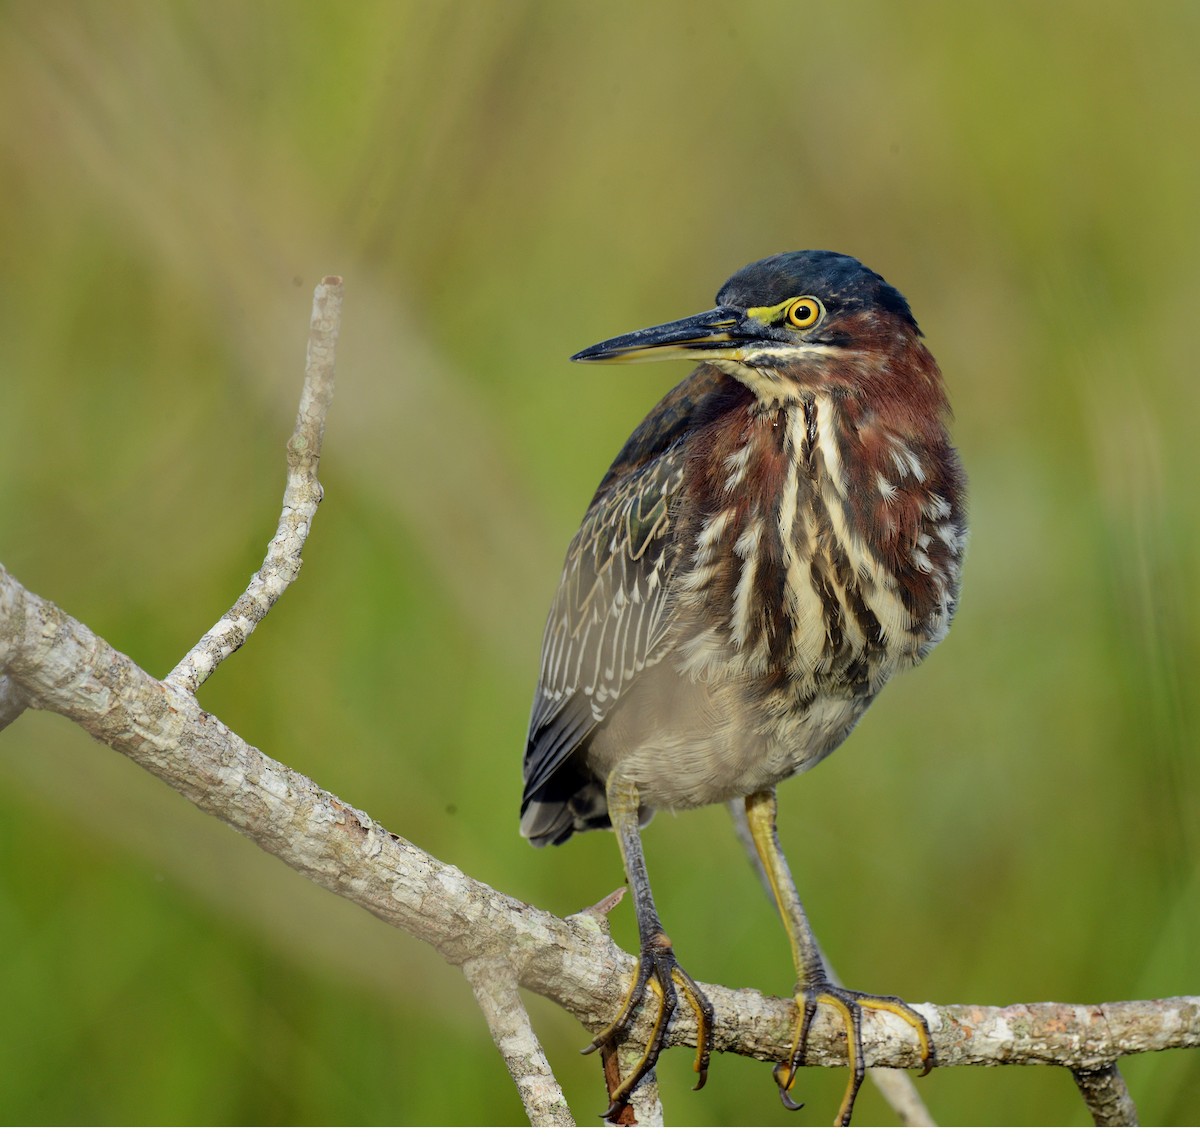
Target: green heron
point(782, 534)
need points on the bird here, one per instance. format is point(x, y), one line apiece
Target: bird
point(782, 534)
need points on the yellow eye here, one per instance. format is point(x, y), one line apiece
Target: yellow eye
point(804, 311)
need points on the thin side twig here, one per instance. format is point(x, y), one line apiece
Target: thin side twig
point(900, 1093)
point(12, 701)
point(495, 986)
point(645, 1106)
point(1106, 1096)
point(301, 497)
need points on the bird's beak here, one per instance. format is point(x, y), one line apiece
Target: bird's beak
point(720, 334)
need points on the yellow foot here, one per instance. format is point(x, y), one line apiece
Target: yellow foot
point(849, 1005)
point(658, 970)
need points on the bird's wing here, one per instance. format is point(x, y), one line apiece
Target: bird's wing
point(610, 617)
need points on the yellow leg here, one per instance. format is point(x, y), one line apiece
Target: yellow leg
point(812, 985)
point(657, 968)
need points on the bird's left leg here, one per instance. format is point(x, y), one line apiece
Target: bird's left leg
point(813, 986)
point(657, 967)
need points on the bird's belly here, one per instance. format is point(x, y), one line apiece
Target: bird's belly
point(686, 744)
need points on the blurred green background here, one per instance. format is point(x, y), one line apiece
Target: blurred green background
point(502, 184)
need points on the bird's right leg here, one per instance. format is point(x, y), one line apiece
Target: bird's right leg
point(656, 968)
point(813, 986)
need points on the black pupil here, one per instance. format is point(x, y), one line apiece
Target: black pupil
point(802, 313)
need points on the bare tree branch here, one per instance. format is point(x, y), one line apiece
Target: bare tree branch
point(645, 1106)
point(69, 670)
point(12, 701)
point(900, 1093)
point(1106, 1096)
point(301, 497)
point(495, 988)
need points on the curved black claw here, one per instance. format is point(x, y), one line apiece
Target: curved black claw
point(850, 1006)
point(657, 969)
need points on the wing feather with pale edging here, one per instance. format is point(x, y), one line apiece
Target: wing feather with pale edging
point(610, 617)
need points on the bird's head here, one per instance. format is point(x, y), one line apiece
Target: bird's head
point(792, 324)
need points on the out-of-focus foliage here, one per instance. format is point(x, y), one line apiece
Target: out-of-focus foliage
point(502, 184)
